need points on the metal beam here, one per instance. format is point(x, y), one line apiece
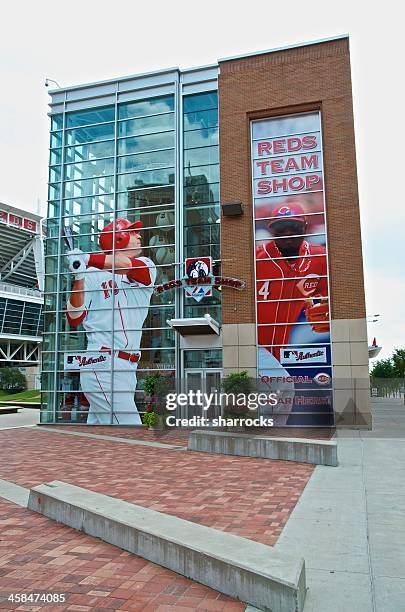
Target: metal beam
point(9, 350)
point(13, 264)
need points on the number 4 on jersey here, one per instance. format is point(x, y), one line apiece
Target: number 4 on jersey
point(264, 290)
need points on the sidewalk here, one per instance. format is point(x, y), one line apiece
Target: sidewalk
point(349, 522)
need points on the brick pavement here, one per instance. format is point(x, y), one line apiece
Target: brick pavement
point(40, 555)
point(249, 497)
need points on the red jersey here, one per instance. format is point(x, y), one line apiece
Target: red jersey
point(281, 278)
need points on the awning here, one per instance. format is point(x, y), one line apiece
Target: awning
point(195, 326)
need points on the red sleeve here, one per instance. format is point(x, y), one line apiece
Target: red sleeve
point(140, 272)
point(75, 322)
point(97, 260)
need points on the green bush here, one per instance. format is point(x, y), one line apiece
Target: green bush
point(12, 380)
point(240, 384)
point(150, 419)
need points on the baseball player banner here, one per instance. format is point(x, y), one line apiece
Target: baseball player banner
point(292, 288)
point(109, 299)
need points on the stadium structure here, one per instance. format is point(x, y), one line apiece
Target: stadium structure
point(21, 287)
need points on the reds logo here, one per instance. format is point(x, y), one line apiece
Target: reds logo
point(285, 211)
point(197, 269)
point(308, 285)
point(322, 378)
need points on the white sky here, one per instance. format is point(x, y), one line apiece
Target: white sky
point(81, 41)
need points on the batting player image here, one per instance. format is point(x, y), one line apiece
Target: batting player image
point(291, 280)
point(112, 308)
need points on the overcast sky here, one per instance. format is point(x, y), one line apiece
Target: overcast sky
point(83, 41)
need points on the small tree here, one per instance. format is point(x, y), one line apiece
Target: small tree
point(383, 368)
point(398, 358)
point(12, 380)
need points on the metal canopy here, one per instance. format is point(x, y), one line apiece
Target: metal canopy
point(195, 326)
point(17, 262)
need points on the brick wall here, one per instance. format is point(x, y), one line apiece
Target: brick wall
point(301, 79)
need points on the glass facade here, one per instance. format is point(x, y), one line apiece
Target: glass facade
point(121, 161)
point(20, 318)
point(201, 192)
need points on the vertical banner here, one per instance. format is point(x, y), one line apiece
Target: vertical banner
point(292, 296)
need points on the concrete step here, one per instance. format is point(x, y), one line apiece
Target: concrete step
point(252, 572)
point(318, 452)
point(9, 409)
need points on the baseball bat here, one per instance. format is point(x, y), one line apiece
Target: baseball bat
point(68, 236)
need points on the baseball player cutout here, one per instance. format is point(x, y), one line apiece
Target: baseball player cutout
point(102, 301)
point(290, 274)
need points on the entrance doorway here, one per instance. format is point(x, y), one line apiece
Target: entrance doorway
point(207, 381)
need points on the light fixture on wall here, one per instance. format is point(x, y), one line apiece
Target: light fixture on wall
point(232, 209)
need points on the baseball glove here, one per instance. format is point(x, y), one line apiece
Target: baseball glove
point(318, 316)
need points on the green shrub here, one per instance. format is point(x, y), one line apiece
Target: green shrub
point(12, 380)
point(150, 419)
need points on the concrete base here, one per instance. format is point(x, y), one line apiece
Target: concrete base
point(318, 452)
point(12, 409)
point(14, 493)
point(252, 572)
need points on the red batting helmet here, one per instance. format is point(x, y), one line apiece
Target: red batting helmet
point(121, 236)
point(286, 212)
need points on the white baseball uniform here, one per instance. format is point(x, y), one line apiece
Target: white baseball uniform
point(113, 314)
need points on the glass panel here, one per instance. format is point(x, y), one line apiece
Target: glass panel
point(199, 102)
point(89, 169)
point(201, 119)
point(202, 215)
point(97, 115)
point(157, 317)
point(53, 209)
point(200, 310)
point(54, 174)
point(201, 156)
point(199, 193)
point(79, 135)
point(94, 186)
point(53, 191)
point(149, 142)
point(201, 250)
point(201, 234)
point(146, 107)
point(55, 156)
point(84, 206)
point(146, 125)
point(194, 381)
point(142, 198)
point(146, 161)
point(203, 359)
point(56, 139)
point(57, 122)
point(89, 151)
point(156, 338)
point(201, 138)
point(200, 175)
point(147, 179)
point(157, 359)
